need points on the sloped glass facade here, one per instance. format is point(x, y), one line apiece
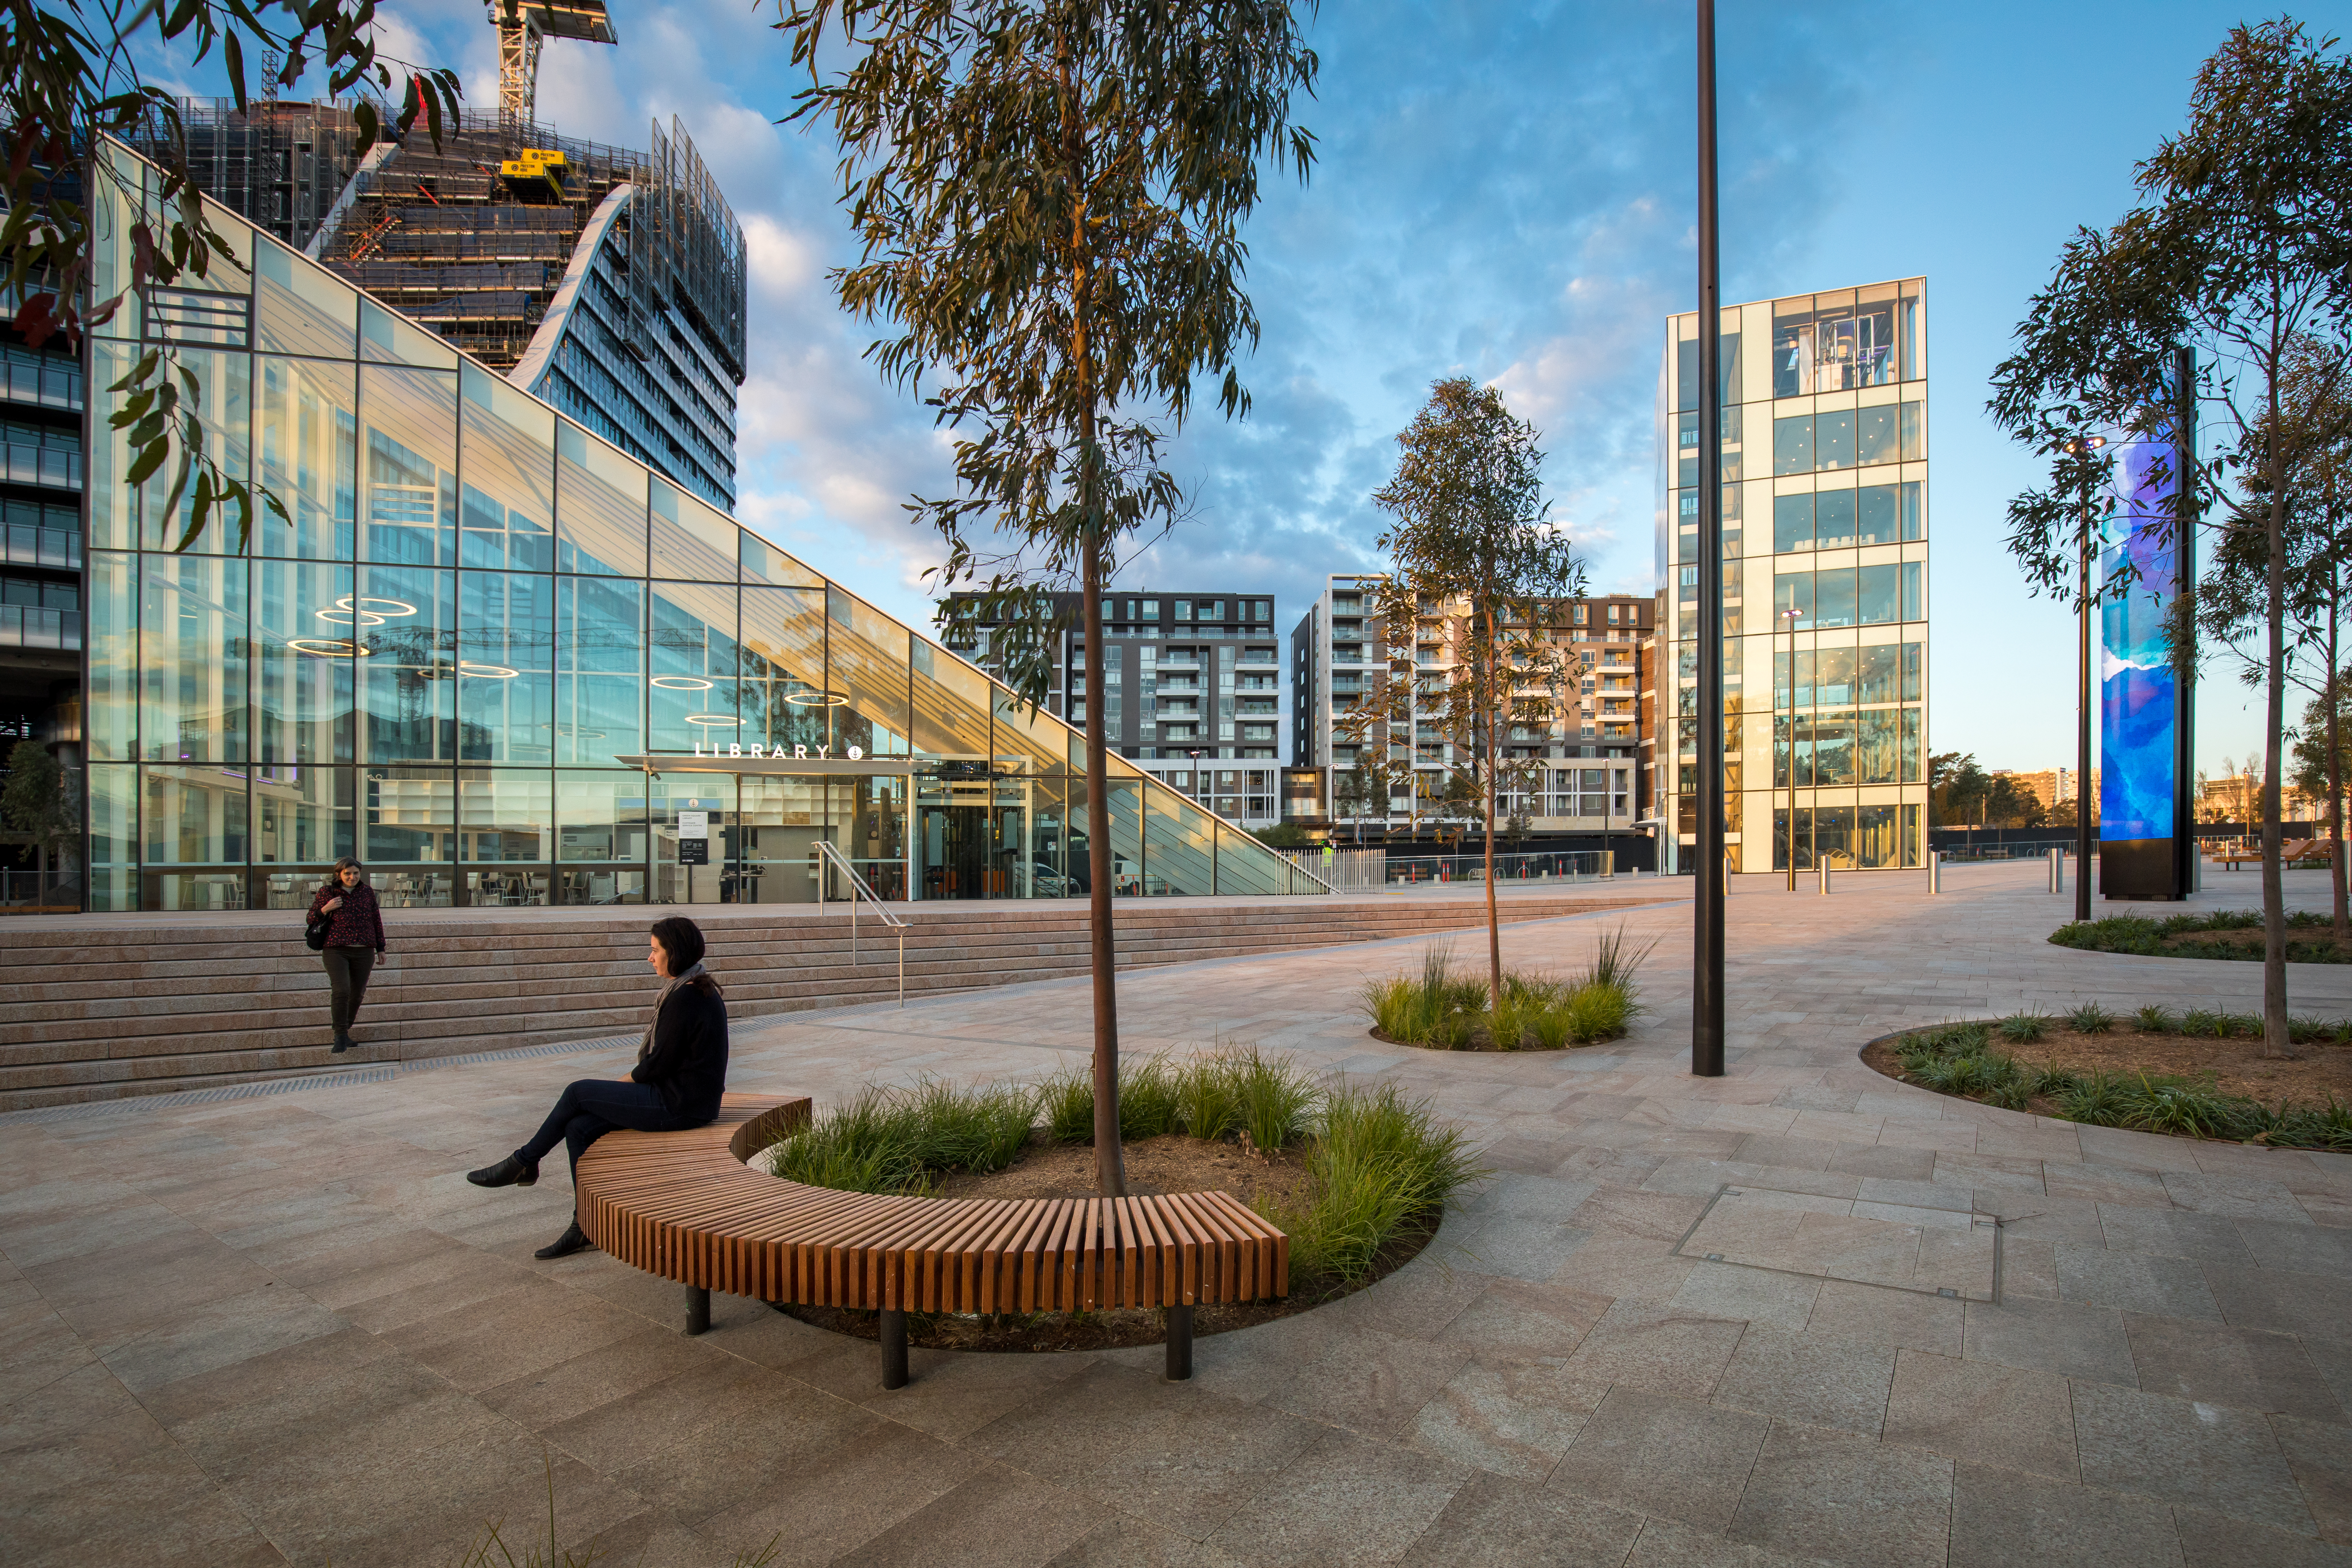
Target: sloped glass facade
point(473, 610)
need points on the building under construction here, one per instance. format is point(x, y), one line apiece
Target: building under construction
point(608, 281)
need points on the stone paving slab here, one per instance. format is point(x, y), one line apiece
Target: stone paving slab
point(1687, 1322)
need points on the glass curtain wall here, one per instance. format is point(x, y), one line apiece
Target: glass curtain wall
point(1825, 536)
point(471, 609)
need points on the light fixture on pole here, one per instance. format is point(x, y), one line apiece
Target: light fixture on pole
point(1792, 615)
point(2081, 448)
point(1707, 946)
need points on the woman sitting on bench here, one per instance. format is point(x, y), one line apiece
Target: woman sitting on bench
point(681, 1073)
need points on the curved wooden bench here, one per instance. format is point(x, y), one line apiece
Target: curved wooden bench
point(685, 1206)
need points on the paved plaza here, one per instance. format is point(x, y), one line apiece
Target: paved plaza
point(1799, 1313)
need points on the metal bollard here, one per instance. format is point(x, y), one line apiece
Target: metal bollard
point(2057, 871)
point(1935, 871)
point(698, 1310)
point(894, 1349)
point(1822, 868)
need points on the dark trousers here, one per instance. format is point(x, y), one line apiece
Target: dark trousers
point(591, 1107)
point(348, 969)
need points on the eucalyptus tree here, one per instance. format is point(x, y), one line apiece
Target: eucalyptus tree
point(2316, 434)
point(1480, 575)
point(1049, 197)
point(2241, 243)
point(70, 76)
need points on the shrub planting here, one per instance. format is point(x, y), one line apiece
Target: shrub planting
point(2185, 936)
point(1442, 1010)
point(1959, 1060)
point(1378, 1164)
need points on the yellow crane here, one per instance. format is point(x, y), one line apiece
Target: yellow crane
point(523, 26)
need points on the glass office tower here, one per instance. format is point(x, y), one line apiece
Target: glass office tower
point(1825, 533)
point(474, 611)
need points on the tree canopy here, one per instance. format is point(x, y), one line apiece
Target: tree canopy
point(1048, 198)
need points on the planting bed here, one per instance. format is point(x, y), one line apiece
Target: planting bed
point(1357, 1178)
point(1447, 1009)
point(2223, 934)
point(2156, 1078)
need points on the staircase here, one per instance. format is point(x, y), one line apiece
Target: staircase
point(101, 1006)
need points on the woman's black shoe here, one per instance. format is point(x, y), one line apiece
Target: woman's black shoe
point(573, 1240)
point(509, 1171)
point(342, 1043)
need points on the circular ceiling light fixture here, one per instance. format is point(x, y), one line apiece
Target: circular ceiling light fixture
point(715, 720)
point(486, 671)
point(344, 616)
point(679, 683)
point(374, 605)
point(327, 648)
point(817, 700)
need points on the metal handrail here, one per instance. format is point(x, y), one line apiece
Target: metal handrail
point(862, 893)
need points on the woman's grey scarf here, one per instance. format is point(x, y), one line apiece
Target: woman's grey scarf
point(671, 985)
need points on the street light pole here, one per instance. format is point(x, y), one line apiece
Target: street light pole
point(2081, 449)
point(1707, 946)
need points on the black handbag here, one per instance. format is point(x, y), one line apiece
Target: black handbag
point(315, 930)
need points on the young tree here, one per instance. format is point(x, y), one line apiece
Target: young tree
point(2316, 436)
point(1378, 722)
point(1482, 573)
point(2241, 244)
point(70, 76)
point(1049, 197)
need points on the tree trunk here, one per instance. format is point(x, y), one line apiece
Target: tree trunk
point(1494, 922)
point(1110, 1171)
point(2276, 1042)
point(2335, 690)
point(1110, 1168)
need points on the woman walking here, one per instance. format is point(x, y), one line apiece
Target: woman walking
point(347, 907)
point(681, 1073)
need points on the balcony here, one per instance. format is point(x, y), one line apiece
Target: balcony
point(22, 626)
point(58, 547)
point(57, 466)
point(51, 385)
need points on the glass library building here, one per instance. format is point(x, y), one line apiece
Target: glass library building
point(503, 663)
point(1826, 525)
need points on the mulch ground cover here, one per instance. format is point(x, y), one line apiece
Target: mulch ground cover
point(2236, 1066)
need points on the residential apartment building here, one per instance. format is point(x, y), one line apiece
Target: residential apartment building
point(1190, 690)
point(2053, 787)
point(1578, 771)
point(42, 395)
point(1825, 576)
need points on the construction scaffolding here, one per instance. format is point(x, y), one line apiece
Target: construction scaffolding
point(279, 166)
point(477, 237)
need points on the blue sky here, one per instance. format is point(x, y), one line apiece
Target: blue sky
point(1506, 191)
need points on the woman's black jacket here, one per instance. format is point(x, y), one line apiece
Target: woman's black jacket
point(688, 1061)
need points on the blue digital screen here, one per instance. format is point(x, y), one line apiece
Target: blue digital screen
point(2138, 691)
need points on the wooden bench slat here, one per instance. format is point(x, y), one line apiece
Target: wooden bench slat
point(686, 1207)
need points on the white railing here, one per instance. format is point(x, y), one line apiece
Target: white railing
point(1342, 870)
point(1549, 865)
point(860, 893)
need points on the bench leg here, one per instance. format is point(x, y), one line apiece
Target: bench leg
point(698, 1310)
point(1179, 1344)
point(894, 1349)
